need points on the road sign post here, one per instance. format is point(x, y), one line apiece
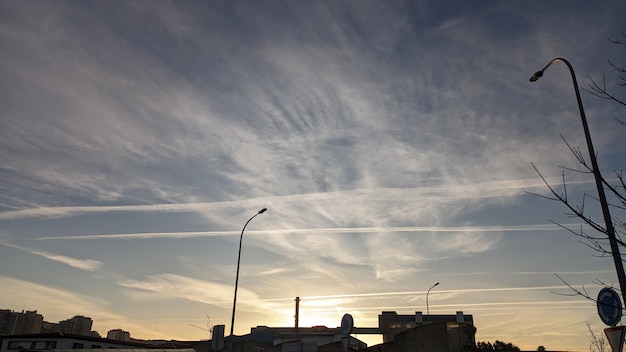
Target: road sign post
point(347, 324)
point(615, 335)
point(610, 312)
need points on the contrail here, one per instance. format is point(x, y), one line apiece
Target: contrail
point(409, 293)
point(326, 230)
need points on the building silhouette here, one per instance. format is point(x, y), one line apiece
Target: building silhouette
point(119, 335)
point(401, 333)
point(12, 323)
point(452, 333)
point(77, 325)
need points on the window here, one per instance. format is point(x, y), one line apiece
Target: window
point(40, 345)
point(16, 345)
point(95, 346)
point(77, 346)
point(44, 345)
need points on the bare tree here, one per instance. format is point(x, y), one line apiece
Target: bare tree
point(597, 342)
point(616, 188)
point(595, 234)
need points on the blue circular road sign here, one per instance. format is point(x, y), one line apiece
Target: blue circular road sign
point(609, 306)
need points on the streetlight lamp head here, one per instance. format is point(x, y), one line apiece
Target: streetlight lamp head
point(435, 284)
point(536, 76)
point(262, 211)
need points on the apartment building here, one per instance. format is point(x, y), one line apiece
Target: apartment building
point(12, 323)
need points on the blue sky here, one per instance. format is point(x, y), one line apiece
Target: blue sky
point(392, 143)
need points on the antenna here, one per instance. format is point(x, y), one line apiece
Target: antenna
point(208, 329)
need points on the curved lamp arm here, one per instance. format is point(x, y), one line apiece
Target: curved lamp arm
point(428, 292)
point(232, 320)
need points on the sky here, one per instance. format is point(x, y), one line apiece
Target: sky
point(392, 142)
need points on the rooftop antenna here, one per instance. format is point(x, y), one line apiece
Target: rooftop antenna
point(208, 329)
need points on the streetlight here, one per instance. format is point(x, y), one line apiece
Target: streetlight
point(232, 320)
point(598, 177)
point(427, 311)
point(430, 340)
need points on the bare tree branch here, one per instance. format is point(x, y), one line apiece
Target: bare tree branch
point(600, 91)
point(577, 210)
point(597, 342)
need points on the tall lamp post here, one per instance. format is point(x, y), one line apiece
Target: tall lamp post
point(232, 320)
point(619, 267)
point(428, 311)
point(430, 340)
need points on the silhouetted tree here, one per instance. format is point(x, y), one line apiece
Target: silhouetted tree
point(496, 346)
point(541, 349)
point(484, 346)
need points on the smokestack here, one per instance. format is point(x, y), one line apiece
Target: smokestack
point(297, 312)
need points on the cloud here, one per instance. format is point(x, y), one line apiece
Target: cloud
point(82, 264)
point(350, 126)
point(166, 286)
point(171, 285)
point(369, 197)
point(58, 302)
point(393, 253)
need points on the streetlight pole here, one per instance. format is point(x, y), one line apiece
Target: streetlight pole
point(430, 340)
point(610, 230)
point(232, 320)
point(428, 311)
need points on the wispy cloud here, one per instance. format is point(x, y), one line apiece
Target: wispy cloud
point(57, 304)
point(166, 286)
point(492, 189)
point(393, 253)
point(83, 264)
